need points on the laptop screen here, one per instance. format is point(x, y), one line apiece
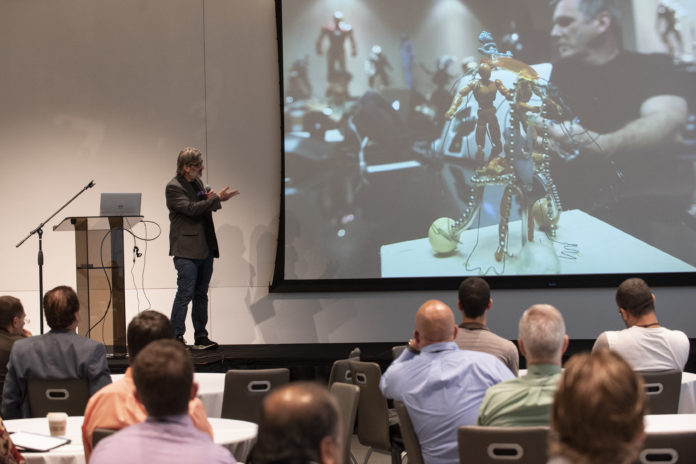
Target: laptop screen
point(120, 204)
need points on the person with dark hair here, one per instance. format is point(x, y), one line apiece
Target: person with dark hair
point(163, 377)
point(12, 320)
point(193, 243)
point(299, 424)
point(114, 406)
point(440, 385)
point(644, 344)
point(597, 412)
point(59, 354)
point(526, 401)
point(474, 302)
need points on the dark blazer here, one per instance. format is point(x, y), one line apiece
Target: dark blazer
point(58, 354)
point(187, 216)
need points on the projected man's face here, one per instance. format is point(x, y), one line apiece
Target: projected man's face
point(572, 32)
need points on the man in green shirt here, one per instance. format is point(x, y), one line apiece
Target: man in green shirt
point(526, 401)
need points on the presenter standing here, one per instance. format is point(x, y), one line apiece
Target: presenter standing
point(192, 243)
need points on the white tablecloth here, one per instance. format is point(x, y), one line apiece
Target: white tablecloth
point(687, 397)
point(670, 422)
point(210, 389)
point(235, 435)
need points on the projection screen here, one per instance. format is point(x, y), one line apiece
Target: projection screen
point(535, 143)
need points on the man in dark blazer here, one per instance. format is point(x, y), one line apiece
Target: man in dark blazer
point(59, 354)
point(192, 243)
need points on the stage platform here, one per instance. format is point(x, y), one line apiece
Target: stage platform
point(312, 361)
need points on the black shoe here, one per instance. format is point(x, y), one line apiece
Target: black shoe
point(180, 338)
point(204, 343)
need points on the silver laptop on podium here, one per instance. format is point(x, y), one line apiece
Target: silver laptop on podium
point(120, 204)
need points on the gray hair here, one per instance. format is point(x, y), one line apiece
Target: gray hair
point(542, 331)
point(590, 9)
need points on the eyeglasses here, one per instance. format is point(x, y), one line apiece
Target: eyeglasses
point(196, 165)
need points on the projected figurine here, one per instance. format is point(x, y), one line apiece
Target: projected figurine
point(299, 86)
point(524, 172)
point(669, 13)
point(337, 33)
point(376, 67)
point(485, 90)
point(407, 57)
point(440, 98)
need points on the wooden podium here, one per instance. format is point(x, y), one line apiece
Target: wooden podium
point(100, 277)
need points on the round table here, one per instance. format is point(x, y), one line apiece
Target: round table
point(235, 435)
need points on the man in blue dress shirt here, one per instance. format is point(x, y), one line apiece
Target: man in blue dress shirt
point(441, 385)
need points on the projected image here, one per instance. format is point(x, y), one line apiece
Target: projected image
point(452, 137)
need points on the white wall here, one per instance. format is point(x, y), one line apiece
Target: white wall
point(111, 90)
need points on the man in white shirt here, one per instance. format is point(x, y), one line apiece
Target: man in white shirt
point(645, 344)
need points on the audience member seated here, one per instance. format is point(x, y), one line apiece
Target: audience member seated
point(474, 302)
point(597, 412)
point(114, 406)
point(163, 377)
point(526, 401)
point(300, 423)
point(59, 354)
point(645, 344)
point(440, 385)
point(12, 318)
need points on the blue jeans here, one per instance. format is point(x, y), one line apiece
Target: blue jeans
point(193, 277)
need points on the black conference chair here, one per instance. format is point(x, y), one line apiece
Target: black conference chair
point(669, 447)
point(245, 390)
point(663, 390)
point(408, 434)
point(347, 397)
point(57, 395)
point(497, 445)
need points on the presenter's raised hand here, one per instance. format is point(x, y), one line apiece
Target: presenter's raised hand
point(225, 194)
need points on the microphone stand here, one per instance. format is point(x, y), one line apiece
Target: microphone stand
point(39, 231)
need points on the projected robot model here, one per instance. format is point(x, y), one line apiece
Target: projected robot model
point(336, 33)
point(376, 67)
point(524, 171)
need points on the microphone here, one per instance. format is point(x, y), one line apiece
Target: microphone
point(91, 184)
point(207, 188)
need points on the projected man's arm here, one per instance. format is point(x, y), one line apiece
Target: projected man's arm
point(661, 121)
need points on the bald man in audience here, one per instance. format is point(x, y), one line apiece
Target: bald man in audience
point(527, 400)
point(644, 344)
point(114, 406)
point(441, 385)
point(474, 302)
point(299, 423)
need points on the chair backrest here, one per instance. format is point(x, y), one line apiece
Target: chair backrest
point(340, 372)
point(245, 390)
point(495, 445)
point(408, 434)
point(373, 414)
point(669, 447)
point(98, 434)
point(65, 395)
point(663, 390)
point(397, 350)
point(347, 396)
